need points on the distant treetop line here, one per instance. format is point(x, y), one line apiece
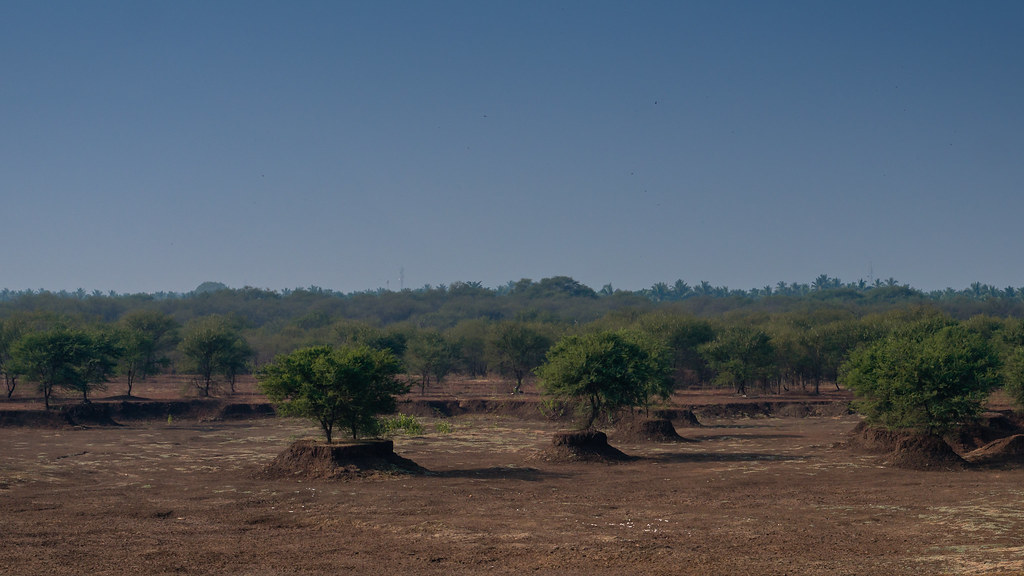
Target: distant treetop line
point(963, 342)
point(567, 286)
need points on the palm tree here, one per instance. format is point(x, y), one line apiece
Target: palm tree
point(681, 290)
point(659, 292)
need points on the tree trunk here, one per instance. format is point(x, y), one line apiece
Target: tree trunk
point(131, 380)
point(595, 407)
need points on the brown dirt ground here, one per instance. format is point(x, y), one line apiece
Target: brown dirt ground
point(750, 496)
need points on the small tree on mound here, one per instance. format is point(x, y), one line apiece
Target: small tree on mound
point(605, 371)
point(345, 387)
point(927, 377)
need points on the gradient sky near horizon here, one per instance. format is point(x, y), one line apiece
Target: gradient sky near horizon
point(152, 146)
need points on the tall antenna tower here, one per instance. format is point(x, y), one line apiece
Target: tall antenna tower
point(401, 278)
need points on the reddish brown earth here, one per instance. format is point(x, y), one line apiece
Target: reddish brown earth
point(758, 495)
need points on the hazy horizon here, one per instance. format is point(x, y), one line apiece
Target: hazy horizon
point(400, 286)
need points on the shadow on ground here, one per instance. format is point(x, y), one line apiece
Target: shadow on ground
point(500, 473)
point(730, 457)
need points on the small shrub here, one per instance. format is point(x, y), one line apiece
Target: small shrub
point(443, 427)
point(400, 424)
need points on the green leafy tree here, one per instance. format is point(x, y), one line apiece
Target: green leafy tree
point(234, 360)
point(683, 335)
point(811, 347)
point(99, 364)
point(1013, 370)
point(352, 333)
point(76, 360)
point(209, 345)
point(1009, 342)
point(925, 377)
point(741, 356)
point(346, 387)
point(473, 336)
point(520, 349)
point(603, 372)
point(431, 355)
point(145, 337)
point(11, 330)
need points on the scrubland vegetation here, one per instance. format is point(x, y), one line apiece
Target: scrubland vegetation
point(768, 341)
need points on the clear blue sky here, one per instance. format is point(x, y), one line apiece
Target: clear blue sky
point(151, 146)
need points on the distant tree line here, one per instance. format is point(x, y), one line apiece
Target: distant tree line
point(550, 299)
point(790, 336)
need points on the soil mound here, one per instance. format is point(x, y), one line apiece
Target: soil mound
point(1007, 451)
point(925, 452)
point(905, 449)
point(871, 440)
point(583, 446)
point(990, 427)
point(647, 430)
point(317, 460)
point(684, 418)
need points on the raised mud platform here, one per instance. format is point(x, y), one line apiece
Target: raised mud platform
point(317, 459)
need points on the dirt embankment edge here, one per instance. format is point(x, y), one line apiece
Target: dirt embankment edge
point(115, 413)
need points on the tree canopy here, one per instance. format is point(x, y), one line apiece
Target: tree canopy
point(520, 348)
point(75, 360)
point(605, 371)
point(345, 387)
point(11, 330)
point(741, 356)
point(213, 345)
point(145, 337)
point(928, 377)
